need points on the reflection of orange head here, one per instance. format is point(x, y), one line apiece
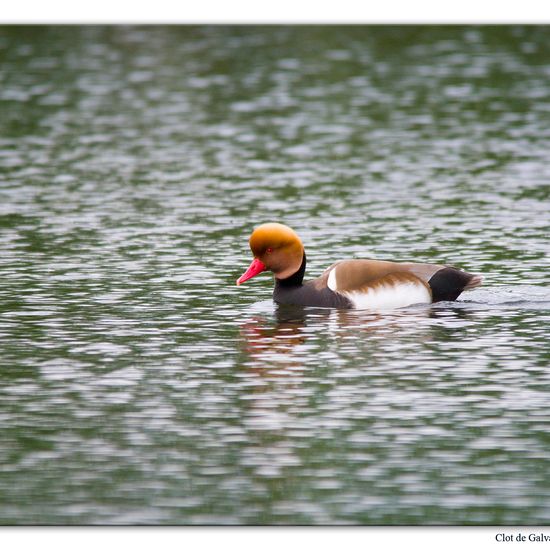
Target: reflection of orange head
point(280, 339)
point(276, 248)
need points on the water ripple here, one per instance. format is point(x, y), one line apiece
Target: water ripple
point(140, 385)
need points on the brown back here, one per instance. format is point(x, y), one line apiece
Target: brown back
point(355, 274)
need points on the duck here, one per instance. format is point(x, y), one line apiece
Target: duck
point(364, 284)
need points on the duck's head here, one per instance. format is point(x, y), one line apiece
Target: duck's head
point(275, 248)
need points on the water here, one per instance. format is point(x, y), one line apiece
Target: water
point(139, 385)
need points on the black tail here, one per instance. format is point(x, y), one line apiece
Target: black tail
point(448, 283)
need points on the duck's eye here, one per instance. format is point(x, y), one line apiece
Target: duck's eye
point(269, 250)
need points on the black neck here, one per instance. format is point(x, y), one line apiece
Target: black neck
point(295, 279)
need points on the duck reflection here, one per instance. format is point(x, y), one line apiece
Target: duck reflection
point(283, 338)
point(295, 356)
point(262, 335)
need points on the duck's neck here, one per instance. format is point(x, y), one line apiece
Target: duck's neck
point(295, 279)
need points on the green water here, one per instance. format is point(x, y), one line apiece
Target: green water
point(139, 385)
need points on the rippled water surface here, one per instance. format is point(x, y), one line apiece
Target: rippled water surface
point(140, 385)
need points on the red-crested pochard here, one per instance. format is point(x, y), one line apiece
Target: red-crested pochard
point(349, 284)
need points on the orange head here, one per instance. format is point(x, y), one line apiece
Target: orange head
point(275, 248)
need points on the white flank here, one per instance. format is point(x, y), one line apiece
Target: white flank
point(331, 282)
point(390, 296)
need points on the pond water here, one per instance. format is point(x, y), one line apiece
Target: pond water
point(139, 385)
